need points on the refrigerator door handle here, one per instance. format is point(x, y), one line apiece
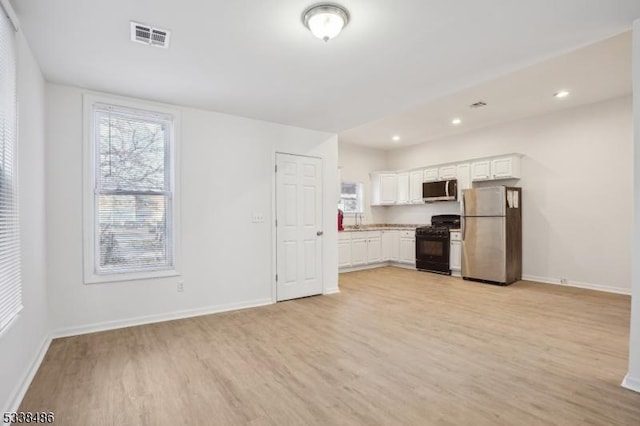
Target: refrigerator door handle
point(462, 220)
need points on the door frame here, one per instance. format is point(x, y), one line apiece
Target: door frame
point(274, 216)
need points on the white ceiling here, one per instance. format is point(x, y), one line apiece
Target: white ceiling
point(254, 58)
point(591, 74)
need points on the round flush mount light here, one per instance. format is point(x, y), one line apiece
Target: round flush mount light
point(561, 94)
point(395, 138)
point(456, 121)
point(326, 20)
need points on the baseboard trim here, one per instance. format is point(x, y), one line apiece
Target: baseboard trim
point(578, 284)
point(376, 265)
point(150, 319)
point(631, 383)
point(16, 399)
point(331, 291)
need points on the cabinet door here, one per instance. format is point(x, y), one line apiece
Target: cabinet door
point(455, 256)
point(374, 250)
point(448, 172)
point(403, 188)
point(395, 246)
point(344, 253)
point(415, 187)
point(481, 170)
point(430, 175)
point(408, 250)
point(358, 252)
point(388, 188)
point(464, 178)
point(502, 168)
point(386, 245)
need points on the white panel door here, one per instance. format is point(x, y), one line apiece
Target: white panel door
point(344, 253)
point(299, 226)
point(430, 175)
point(502, 168)
point(374, 250)
point(358, 251)
point(481, 170)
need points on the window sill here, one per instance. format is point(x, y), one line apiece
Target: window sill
point(130, 276)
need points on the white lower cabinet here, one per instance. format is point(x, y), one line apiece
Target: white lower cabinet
point(390, 245)
point(455, 252)
point(360, 248)
point(407, 247)
point(344, 253)
point(358, 251)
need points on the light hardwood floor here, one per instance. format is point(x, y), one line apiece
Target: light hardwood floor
point(395, 347)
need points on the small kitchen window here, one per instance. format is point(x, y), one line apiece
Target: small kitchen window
point(351, 197)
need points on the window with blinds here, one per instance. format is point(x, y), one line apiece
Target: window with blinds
point(10, 278)
point(133, 196)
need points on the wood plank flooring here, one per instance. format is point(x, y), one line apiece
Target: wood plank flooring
point(396, 347)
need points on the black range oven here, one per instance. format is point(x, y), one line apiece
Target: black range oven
point(432, 244)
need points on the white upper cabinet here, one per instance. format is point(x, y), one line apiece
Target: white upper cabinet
point(384, 188)
point(415, 186)
point(464, 178)
point(448, 172)
point(403, 188)
point(507, 167)
point(481, 170)
point(431, 175)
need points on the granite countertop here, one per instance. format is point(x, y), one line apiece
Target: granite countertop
point(455, 230)
point(382, 227)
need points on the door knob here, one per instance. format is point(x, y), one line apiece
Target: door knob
point(319, 233)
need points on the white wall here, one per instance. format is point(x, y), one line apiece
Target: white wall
point(632, 380)
point(27, 337)
point(356, 162)
point(576, 179)
point(226, 174)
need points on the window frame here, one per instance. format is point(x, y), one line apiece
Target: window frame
point(359, 196)
point(90, 156)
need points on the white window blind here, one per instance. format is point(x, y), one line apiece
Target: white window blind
point(351, 197)
point(132, 190)
point(10, 280)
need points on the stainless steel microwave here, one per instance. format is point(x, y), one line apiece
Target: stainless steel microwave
point(442, 190)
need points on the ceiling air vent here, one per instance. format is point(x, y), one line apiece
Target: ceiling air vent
point(478, 104)
point(145, 34)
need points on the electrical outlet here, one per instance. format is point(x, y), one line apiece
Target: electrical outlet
point(180, 287)
point(564, 281)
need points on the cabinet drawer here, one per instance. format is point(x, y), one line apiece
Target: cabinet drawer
point(456, 236)
point(405, 234)
point(364, 235)
point(344, 236)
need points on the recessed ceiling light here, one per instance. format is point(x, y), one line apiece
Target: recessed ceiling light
point(561, 94)
point(325, 21)
point(456, 121)
point(395, 138)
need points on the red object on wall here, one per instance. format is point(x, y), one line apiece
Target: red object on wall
point(340, 219)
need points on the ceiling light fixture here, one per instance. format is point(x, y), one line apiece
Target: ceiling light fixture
point(561, 94)
point(396, 138)
point(456, 121)
point(326, 20)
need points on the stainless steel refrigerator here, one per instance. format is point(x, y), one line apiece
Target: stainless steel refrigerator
point(492, 234)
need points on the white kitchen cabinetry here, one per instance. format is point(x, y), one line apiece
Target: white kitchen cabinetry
point(358, 250)
point(415, 187)
point(402, 196)
point(407, 247)
point(390, 245)
point(365, 248)
point(344, 250)
point(455, 252)
point(448, 172)
point(384, 188)
point(431, 175)
point(464, 178)
point(507, 167)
